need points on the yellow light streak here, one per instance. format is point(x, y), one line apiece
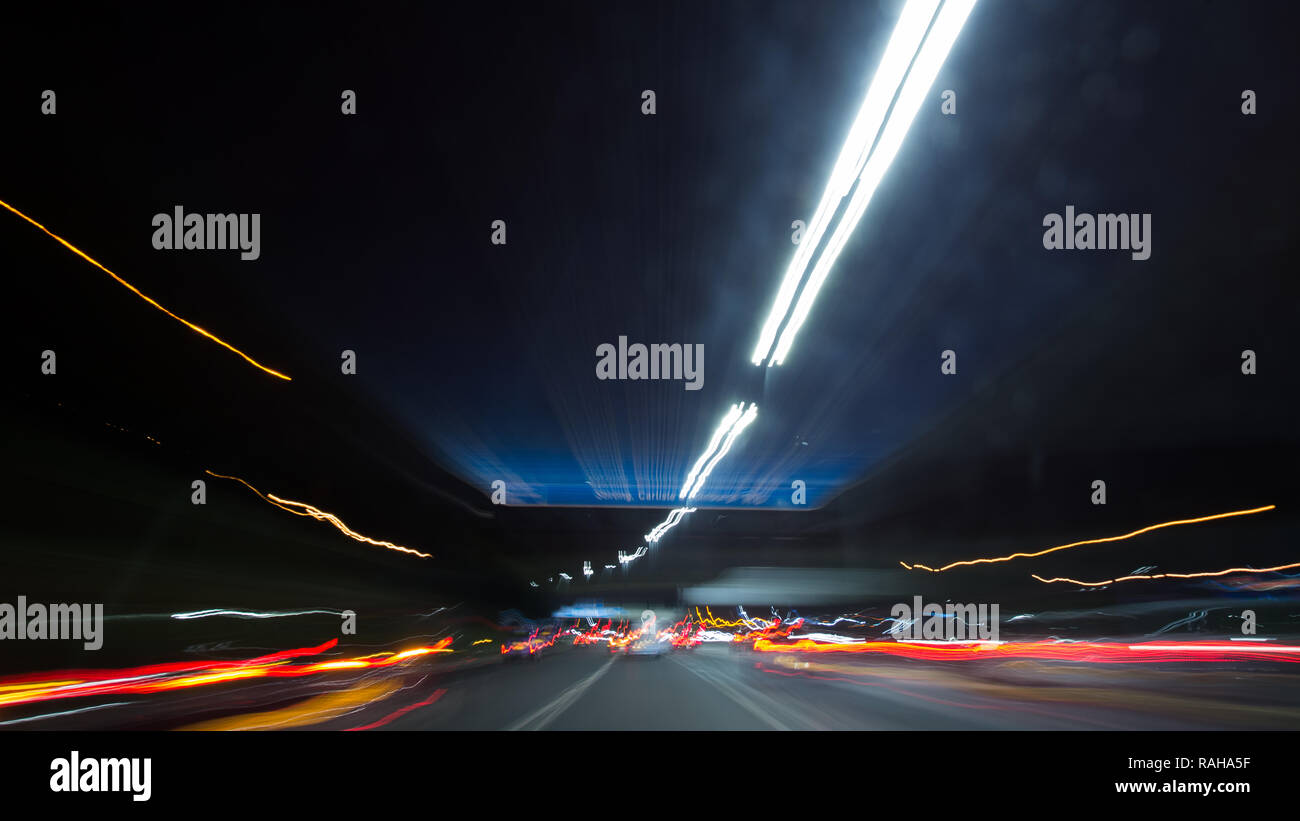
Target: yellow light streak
point(311, 711)
point(320, 515)
point(1171, 575)
point(37, 685)
point(74, 249)
point(210, 678)
point(337, 665)
point(1138, 532)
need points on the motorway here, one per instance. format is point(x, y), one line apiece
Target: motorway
point(713, 687)
point(717, 688)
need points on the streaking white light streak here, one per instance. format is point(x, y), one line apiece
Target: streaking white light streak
point(64, 713)
point(723, 428)
point(829, 638)
point(838, 619)
point(1203, 649)
point(916, 51)
point(735, 431)
point(714, 635)
point(736, 420)
point(244, 614)
point(752, 624)
point(916, 86)
point(903, 45)
point(624, 558)
point(667, 524)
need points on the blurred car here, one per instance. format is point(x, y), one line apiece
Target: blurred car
point(650, 646)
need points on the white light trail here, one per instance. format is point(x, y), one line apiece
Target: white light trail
point(667, 524)
point(64, 713)
point(915, 88)
point(1180, 647)
point(736, 428)
point(714, 635)
point(875, 120)
point(626, 558)
point(247, 614)
point(723, 428)
point(731, 426)
point(903, 44)
point(917, 49)
point(829, 638)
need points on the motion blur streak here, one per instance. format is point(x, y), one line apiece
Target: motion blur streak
point(920, 76)
point(74, 249)
point(1266, 584)
point(736, 429)
point(312, 711)
point(1172, 575)
point(903, 45)
point(727, 423)
point(711, 621)
point(156, 678)
point(628, 558)
point(1139, 532)
point(245, 614)
point(386, 719)
point(731, 426)
point(320, 515)
point(30, 719)
point(663, 527)
point(1052, 650)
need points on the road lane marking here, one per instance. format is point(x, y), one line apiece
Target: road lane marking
point(542, 717)
point(735, 693)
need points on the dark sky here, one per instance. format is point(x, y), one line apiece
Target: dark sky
point(476, 362)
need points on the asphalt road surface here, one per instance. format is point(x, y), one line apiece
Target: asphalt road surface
point(716, 688)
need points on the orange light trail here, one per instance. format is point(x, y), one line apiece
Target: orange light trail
point(74, 249)
point(1206, 574)
point(711, 621)
point(320, 515)
point(156, 678)
point(312, 711)
point(1138, 532)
